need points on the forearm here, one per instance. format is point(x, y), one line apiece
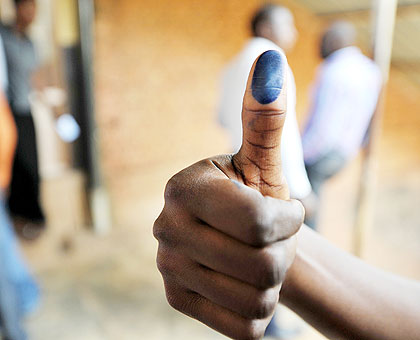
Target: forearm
point(345, 298)
point(8, 139)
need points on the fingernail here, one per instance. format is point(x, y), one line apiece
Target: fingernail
point(268, 77)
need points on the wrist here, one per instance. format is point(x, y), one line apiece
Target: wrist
point(295, 281)
point(288, 289)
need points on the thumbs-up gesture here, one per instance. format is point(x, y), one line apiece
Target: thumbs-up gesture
point(226, 233)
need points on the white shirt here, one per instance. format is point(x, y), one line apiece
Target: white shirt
point(4, 82)
point(345, 97)
point(233, 87)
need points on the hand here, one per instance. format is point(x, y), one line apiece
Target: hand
point(226, 233)
point(8, 141)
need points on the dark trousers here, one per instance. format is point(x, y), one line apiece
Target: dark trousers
point(318, 173)
point(24, 189)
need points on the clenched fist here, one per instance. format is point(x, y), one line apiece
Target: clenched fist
point(226, 233)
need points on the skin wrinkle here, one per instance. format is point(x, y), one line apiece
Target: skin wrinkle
point(264, 131)
point(254, 163)
point(263, 147)
point(238, 170)
point(219, 167)
point(258, 165)
point(262, 180)
point(266, 112)
point(249, 181)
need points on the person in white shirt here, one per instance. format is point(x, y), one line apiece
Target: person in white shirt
point(346, 93)
point(273, 28)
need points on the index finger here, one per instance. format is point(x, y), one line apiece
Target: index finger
point(234, 208)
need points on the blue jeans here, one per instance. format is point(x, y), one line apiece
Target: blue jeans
point(19, 294)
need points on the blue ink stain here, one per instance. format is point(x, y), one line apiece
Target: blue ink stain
point(268, 77)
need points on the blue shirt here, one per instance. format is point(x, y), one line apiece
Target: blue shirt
point(4, 81)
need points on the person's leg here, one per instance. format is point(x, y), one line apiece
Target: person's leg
point(318, 173)
point(24, 199)
point(10, 318)
point(11, 311)
point(15, 266)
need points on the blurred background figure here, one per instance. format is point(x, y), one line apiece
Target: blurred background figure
point(345, 96)
point(19, 293)
point(272, 28)
point(24, 198)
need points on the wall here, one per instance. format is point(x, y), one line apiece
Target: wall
point(157, 70)
point(158, 65)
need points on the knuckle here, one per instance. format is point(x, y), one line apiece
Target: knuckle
point(192, 305)
point(269, 268)
point(173, 299)
point(163, 262)
point(260, 226)
point(167, 229)
point(264, 303)
point(163, 267)
point(159, 231)
point(299, 215)
point(166, 232)
point(288, 254)
point(174, 189)
point(186, 303)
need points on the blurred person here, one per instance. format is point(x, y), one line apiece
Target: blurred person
point(19, 293)
point(272, 28)
point(232, 245)
point(8, 137)
point(24, 197)
point(346, 93)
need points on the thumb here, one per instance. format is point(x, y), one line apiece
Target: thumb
point(263, 116)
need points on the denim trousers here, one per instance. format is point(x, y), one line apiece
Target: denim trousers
point(19, 293)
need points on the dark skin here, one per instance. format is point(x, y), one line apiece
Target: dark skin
point(339, 35)
point(227, 244)
point(25, 15)
point(8, 139)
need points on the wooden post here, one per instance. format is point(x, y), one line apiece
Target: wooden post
point(383, 15)
point(75, 37)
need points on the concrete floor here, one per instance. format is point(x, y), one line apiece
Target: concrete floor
point(108, 287)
